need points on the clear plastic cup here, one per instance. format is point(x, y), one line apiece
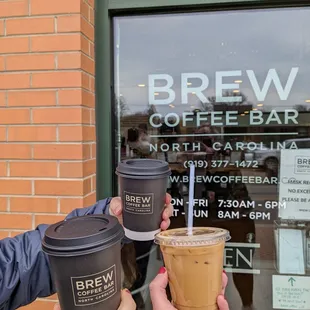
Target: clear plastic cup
point(194, 264)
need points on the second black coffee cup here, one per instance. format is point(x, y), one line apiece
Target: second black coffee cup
point(143, 185)
point(85, 258)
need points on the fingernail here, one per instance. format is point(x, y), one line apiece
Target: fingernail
point(127, 291)
point(223, 296)
point(162, 270)
point(118, 210)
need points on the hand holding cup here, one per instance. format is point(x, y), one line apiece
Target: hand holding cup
point(127, 302)
point(159, 297)
point(116, 209)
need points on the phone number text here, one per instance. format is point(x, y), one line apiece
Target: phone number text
point(221, 163)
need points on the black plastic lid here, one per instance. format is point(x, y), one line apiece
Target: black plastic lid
point(143, 167)
point(82, 235)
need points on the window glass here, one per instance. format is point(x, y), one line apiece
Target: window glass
point(228, 92)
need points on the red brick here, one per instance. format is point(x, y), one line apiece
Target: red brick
point(87, 151)
point(71, 169)
point(3, 171)
point(13, 8)
point(14, 116)
point(77, 133)
point(67, 205)
point(48, 219)
point(56, 43)
point(17, 233)
point(30, 25)
point(15, 221)
point(69, 23)
point(70, 61)
point(91, 3)
point(92, 116)
point(30, 62)
point(33, 169)
point(31, 98)
point(87, 186)
point(41, 7)
point(70, 133)
point(33, 204)
point(93, 150)
point(91, 50)
point(32, 133)
point(88, 64)
point(1, 27)
point(2, 65)
point(13, 44)
point(70, 97)
point(3, 204)
point(86, 116)
point(88, 99)
point(14, 81)
point(85, 10)
point(2, 134)
point(77, 169)
point(15, 187)
point(90, 199)
point(92, 84)
point(3, 234)
point(2, 98)
point(15, 151)
point(87, 29)
point(56, 79)
point(59, 187)
point(57, 116)
point(59, 151)
point(89, 133)
point(85, 80)
point(94, 183)
point(92, 16)
point(89, 167)
point(84, 45)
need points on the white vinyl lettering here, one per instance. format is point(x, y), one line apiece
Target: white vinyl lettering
point(220, 86)
point(186, 89)
point(272, 76)
point(159, 89)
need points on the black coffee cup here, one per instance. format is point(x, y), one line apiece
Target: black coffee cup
point(85, 260)
point(143, 185)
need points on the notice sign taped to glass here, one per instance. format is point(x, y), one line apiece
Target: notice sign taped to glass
point(294, 184)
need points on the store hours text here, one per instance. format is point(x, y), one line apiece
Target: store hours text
point(231, 209)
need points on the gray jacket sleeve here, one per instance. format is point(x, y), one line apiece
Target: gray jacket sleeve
point(24, 268)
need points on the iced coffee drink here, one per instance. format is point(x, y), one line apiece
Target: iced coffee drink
point(194, 264)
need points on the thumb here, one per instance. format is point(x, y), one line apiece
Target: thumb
point(158, 291)
point(222, 303)
point(57, 307)
point(127, 301)
point(116, 208)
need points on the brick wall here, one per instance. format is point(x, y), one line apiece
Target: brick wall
point(47, 117)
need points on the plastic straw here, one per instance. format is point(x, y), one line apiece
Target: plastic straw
point(190, 221)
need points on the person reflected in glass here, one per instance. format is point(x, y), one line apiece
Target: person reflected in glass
point(139, 141)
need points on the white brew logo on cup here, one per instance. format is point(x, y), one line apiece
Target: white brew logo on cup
point(95, 288)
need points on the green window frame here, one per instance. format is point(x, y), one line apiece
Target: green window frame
point(105, 11)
